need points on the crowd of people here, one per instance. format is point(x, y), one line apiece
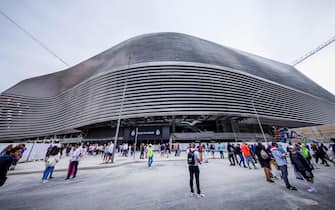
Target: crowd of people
point(273, 158)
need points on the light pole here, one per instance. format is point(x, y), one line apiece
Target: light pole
point(253, 105)
point(136, 134)
point(120, 113)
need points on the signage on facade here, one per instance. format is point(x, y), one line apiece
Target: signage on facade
point(147, 133)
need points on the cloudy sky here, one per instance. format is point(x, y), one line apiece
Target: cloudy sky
point(77, 30)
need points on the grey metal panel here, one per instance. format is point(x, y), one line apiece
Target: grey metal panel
point(159, 91)
point(173, 47)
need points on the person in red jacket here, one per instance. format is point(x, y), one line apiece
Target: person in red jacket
point(247, 155)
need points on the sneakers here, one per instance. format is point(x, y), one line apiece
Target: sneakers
point(312, 189)
point(292, 188)
point(270, 180)
point(44, 181)
point(201, 195)
point(192, 194)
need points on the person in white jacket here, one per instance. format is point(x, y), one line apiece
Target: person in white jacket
point(50, 163)
point(74, 160)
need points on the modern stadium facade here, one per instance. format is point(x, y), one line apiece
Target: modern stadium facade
point(168, 86)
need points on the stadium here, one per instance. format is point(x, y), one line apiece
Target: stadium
point(165, 87)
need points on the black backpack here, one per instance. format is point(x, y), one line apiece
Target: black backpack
point(190, 158)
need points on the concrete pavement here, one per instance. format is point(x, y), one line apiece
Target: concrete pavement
point(165, 186)
point(88, 162)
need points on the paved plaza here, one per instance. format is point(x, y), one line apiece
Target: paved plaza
point(165, 186)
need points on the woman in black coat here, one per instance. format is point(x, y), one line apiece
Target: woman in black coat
point(302, 166)
point(264, 159)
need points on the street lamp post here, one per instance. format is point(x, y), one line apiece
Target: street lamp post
point(136, 135)
point(120, 113)
point(259, 122)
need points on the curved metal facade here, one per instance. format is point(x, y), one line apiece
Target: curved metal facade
point(159, 90)
point(162, 88)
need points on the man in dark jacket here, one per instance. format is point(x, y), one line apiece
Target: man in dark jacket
point(230, 149)
point(5, 162)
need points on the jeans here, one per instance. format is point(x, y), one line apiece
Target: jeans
point(284, 174)
point(221, 155)
point(241, 160)
point(194, 171)
point(250, 159)
point(48, 171)
point(150, 161)
point(52, 171)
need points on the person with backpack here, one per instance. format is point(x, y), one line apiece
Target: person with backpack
point(264, 159)
point(193, 161)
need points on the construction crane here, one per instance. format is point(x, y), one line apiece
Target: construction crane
point(314, 51)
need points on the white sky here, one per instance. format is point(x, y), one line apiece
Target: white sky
point(77, 30)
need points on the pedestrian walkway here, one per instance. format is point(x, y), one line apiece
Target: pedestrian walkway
point(88, 162)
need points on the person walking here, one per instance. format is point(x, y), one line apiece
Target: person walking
point(319, 153)
point(106, 153)
point(252, 149)
point(239, 153)
point(193, 161)
point(150, 155)
point(230, 149)
point(200, 151)
point(50, 163)
point(74, 161)
point(264, 159)
point(162, 150)
point(110, 151)
point(220, 148)
point(247, 155)
point(302, 166)
point(282, 164)
point(142, 151)
point(167, 150)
